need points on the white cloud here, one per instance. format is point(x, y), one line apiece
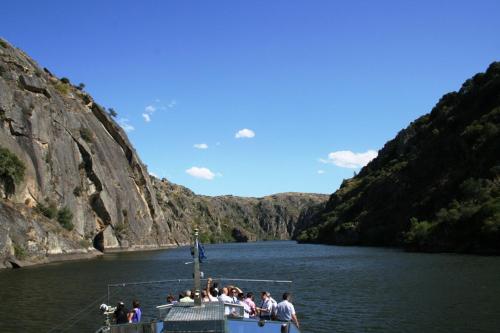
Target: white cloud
point(244, 133)
point(172, 104)
point(146, 117)
point(150, 109)
point(124, 123)
point(200, 146)
point(320, 172)
point(202, 173)
point(348, 159)
point(154, 174)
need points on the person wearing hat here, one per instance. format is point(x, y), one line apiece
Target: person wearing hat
point(121, 313)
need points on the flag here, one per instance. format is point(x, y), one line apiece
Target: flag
point(201, 252)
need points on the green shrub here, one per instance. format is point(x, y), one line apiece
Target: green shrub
point(80, 86)
point(112, 112)
point(419, 232)
point(3, 44)
point(86, 134)
point(19, 251)
point(64, 217)
point(62, 88)
point(65, 80)
point(49, 211)
point(11, 170)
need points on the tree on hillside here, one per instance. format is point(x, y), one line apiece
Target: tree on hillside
point(11, 171)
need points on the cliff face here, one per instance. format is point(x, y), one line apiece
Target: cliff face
point(229, 218)
point(78, 161)
point(434, 187)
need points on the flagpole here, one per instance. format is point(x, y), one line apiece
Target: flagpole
point(197, 283)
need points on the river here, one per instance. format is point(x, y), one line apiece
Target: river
point(335, 289)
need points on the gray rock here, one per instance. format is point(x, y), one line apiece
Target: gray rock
point(78, 157)
point(33, 84)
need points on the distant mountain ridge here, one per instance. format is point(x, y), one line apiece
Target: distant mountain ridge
point(71, 183)
point(434, 187)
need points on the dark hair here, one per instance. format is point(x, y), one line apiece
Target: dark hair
point(135, 303)
point(170, 298)
point(213, 292)
point(250, 294)
point(286, 295)
point(241, 295)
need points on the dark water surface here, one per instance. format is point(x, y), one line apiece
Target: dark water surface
point(336, 289)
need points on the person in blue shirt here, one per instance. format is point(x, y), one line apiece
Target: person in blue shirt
point(134, 316)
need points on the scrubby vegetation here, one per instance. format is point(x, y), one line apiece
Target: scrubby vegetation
point(86, 134)
point(63, 88)
point(64, 215)
point(11, 171)
point(20, 251)
point(112, 112)
point(435, 187)
point(49, 210)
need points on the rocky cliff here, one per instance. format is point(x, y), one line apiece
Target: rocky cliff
point(434, 187)
point(72, 184)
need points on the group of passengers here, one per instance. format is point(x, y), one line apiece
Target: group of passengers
point(269, 309)
point(124, 316)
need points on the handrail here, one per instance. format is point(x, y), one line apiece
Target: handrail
point(124, 284)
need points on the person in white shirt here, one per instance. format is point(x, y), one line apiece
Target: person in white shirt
point(211, 291)
point(266, 306)
point(285, 310)
point(274, 304)
point(224, 298)
point(246, 308)
point(187, 297)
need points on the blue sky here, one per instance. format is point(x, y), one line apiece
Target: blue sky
point(309, 79)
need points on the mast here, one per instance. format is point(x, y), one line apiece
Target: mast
point(197, 284)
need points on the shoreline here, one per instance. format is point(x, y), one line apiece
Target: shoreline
point(15, 263)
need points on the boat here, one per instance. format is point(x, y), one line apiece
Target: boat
point(198, 316)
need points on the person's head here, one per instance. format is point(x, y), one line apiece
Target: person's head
point(264, 295)
point(203, 293)
point(120, 305)
point(187, 293)
point(241, 296)
point(170, 298)
point(287, 296)
point(135, 303)
point(224, 291)
point(234, 292)
point(213, 292)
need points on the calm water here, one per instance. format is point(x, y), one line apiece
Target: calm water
point(336, 289)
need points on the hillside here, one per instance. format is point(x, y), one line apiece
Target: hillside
point(72, 185)
point(434, 187)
